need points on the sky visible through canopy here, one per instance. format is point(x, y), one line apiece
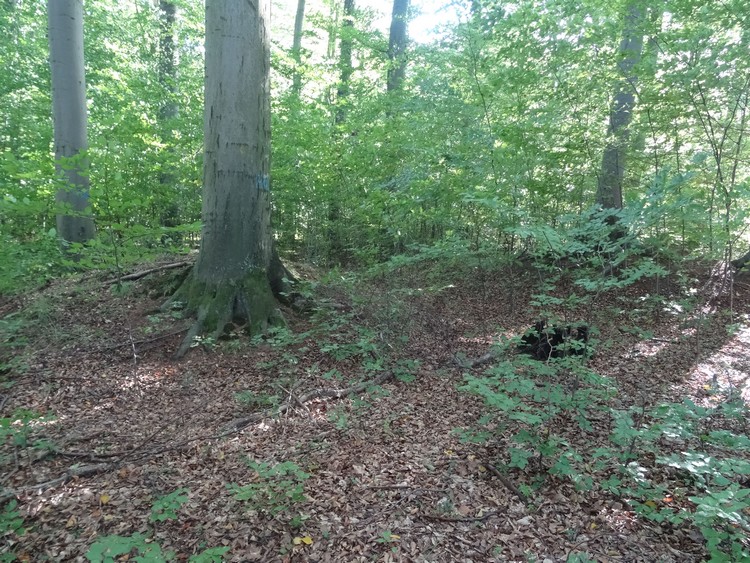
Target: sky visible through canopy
point(429, 15)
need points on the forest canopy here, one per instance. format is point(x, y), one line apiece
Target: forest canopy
point(499, 130)
point(287, 280)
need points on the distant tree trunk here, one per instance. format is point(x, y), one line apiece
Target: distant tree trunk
point(333, 29)
point(333, 231)
point(397, 45)
point(609, 192)
point(297, 47)
point(170, 214)
point(167, 63)
point(233, 277)
point(345, 61)
point(74, 222)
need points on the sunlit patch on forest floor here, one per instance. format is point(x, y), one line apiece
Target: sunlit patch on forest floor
point(384, 475)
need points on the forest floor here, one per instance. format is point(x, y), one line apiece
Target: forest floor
point(385, 475)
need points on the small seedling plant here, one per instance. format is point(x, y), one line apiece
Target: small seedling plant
point(525, 398)
point(166, 507)
point(275, 489)
point(142, 548)
point(699, 475)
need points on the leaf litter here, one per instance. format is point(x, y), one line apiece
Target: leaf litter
point(389, 478)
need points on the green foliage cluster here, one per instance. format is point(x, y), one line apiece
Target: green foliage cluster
point(705, 483)
point(138, 547)
point(705, 462)
point(11, 526)
point(498, 130)
point(275, 489)
point(20, 426)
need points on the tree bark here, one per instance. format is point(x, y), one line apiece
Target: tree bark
point(65, 17)
point(230, 280)
point(297, 47)
point(397, 45)
point(609, 191)
point(167, 68)
point(345, 61)
point(167, 65)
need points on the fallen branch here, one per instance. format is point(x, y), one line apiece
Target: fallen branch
point(508, 483)
point(138, 275)
point(470, 364)
point(240, 423)
point(72, 473)
point(461, 519)
point(144, 341)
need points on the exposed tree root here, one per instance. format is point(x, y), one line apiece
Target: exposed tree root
point(248, 302)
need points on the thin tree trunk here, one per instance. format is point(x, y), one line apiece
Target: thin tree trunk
point(297, 47)
point(333, 29)
point(74, 222)
point(333, 231)
point(609, 192)
point(170, 215)
point(167, 63)
point(345, 61)
point(397, 45)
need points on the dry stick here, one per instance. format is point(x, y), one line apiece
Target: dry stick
point(463, 519)
point(469, 364)
point(239, 424)
point(85, 471)
point(508, 483)
point(144, 273)
point(404, 487)
point(145, 341)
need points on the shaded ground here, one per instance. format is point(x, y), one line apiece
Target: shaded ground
point(389, 479)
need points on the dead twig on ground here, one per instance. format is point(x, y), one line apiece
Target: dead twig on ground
point(508, 483)
point(471, 364)
point(72, 473)
point(457, 519)
point(144, 341)
point(142, 274)
point(239, 424)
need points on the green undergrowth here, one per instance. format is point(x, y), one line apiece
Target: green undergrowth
point(673, 464)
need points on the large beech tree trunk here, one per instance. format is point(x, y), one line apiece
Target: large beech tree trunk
point(74, 222)
point(232, 278)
